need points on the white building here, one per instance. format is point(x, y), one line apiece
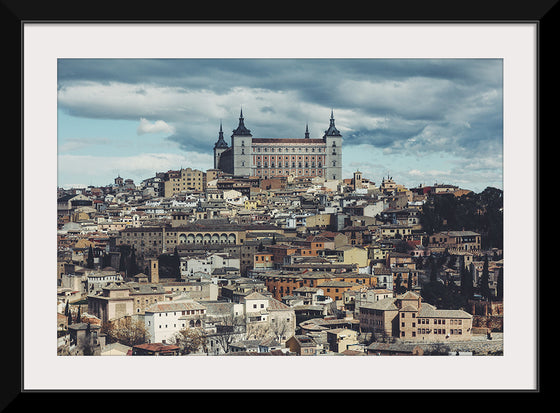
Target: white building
point(164, 319)
point(97, 280)
point(207, 263)
point(267, 317)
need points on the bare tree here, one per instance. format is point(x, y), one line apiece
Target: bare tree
point(126, 331)
point(229, 330)
point(189, 340)
point(281, 328)
point(258, 330)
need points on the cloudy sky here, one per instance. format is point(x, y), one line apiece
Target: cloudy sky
point(419, 121)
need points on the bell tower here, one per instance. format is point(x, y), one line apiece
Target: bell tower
point(153, 270)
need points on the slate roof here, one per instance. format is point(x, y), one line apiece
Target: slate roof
point(174, 306)
point(386, 304)
point(428, 310)
point(397, 346)
point(334, 283)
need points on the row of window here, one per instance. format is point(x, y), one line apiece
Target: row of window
point(266, 149)
point(184, 312)
point(439, 331)
point(286, 157)
point(287, 171)
point(192, 323)
point(287, 164)
point(436, 321)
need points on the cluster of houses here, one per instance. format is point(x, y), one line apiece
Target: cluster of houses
point(285, 266)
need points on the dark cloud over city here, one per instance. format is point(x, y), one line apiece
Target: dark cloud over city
point(404, 108)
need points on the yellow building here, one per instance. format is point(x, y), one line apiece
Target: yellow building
point(340, 339)
point(353, 255)
point(379, 252)
point(395, 231)
point(318, 221)
point(185, 180)
point(250, 204)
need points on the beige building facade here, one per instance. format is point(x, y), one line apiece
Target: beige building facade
point(408, 318)
point(184, 180)
point(456, 241)
point(157, 240)
point(115, 302)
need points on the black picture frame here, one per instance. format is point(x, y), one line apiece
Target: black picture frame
point(16, 13)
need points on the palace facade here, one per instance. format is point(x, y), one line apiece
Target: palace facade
point(280, 157)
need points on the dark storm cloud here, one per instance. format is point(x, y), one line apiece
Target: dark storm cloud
point(399, 104)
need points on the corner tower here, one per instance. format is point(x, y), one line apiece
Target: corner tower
point(333, 155)
point(219, 147)
point(241, 144)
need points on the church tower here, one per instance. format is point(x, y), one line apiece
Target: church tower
point(333, 156)
point(153, 270)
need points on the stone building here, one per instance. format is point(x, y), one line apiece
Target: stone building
point(280, 157)
point(408, 318)
point(184, 180)
point(158, 240)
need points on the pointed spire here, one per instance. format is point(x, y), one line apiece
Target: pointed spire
point(241, 129)
point(221, 143)
point(306, 131)
point(332, 131)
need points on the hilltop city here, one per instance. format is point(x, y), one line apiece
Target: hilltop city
point(273, 252)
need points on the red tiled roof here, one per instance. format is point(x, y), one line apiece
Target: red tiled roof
point(156, 346)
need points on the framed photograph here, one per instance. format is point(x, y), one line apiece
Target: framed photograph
point(423, 101)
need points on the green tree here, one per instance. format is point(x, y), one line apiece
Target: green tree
point(484, 280)
point(89, 261)
point(132, 266)
point(443, 296)
point(466, 281)
point(176, 264)
point(403, 247)
point(481, 213)
point(124, 251)
point(399, 289)
point(500, 285)
point(433, 267)
point(409, 285)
